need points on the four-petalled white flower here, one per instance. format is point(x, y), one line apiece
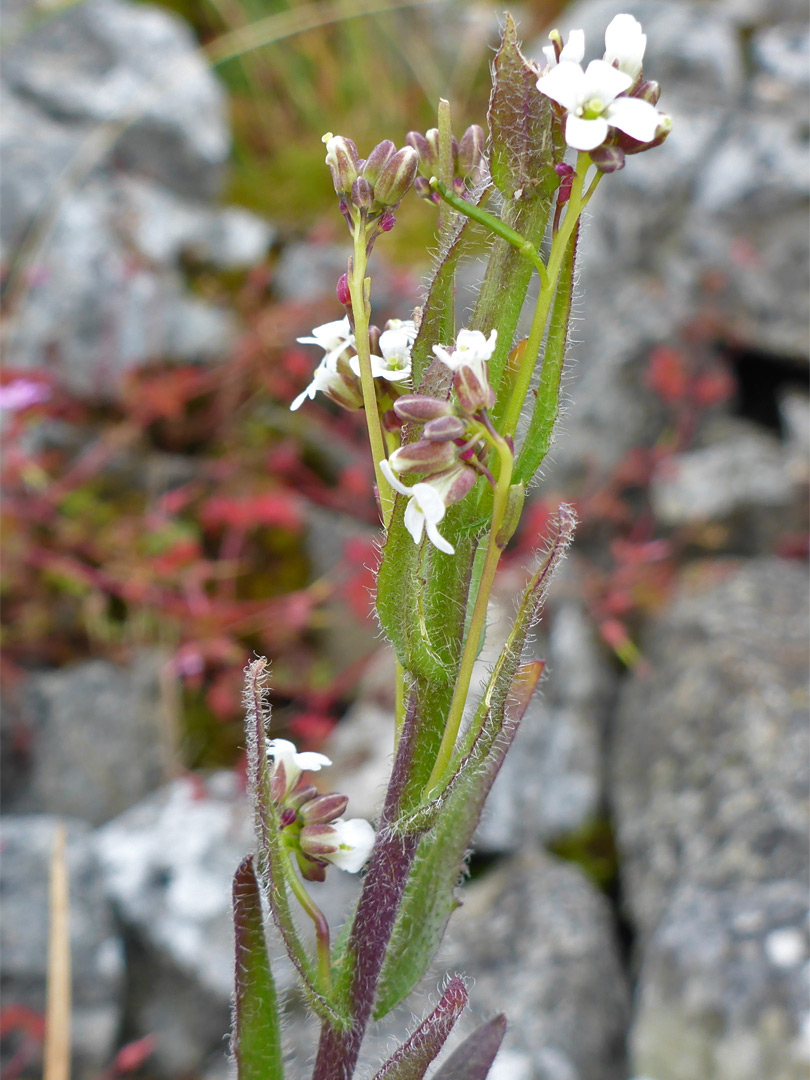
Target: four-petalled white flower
point(395, 345)
point(425, 509)
point(591, 99)
point(284, 753)
point(472, 350)
point(334, 338)
point(624, 45)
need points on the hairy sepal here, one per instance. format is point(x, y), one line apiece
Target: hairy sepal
point(537, 440)
point(411, 1060)
point(272, 863)
point(256, 1032)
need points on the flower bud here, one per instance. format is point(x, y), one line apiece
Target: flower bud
point(420, 408)
point(386, 222)
point(423, 457)
point(377, 160)
point(453, 484)
point(300, 795)
point(608, 159)
point(420, 144)
point(432, 157)
point(342, 293)
point(311, 869)
point(396, 177)
point(421, 186)
point(362, 194)
point(286, 817)
point(471, 150)
point(471, 392)
point(341, 157)
point(444, 429)
point(648, 91)
point(323, 809)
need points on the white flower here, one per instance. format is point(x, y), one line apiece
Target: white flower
point(284, 754)
point(573, 50)
point(472, 350)
point(355, 839)
point(324, 378)
point(625, 44)
point(591, 98)
point(424, 511)
point(332, 337)
point(395, 345)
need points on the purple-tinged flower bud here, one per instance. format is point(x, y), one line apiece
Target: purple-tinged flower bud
point(396, 177)
point(421, 186)
point(444, 429)
point(311, 869)
point(420, 144)
point(608, 159)
point(471, 392)
point(318, 840)
point(471, 150)
point(420, 408)
point(432, 156)
point(341, 157)
point(390, 421)
point(423, 457)
point(323, 809)
point(649, 90)
point(387, 221)
point(453, 484)
point(300, 795)
point(287, 817)
point(458, 187)
point(377, 160)
point(342, 293)
point(362, 194)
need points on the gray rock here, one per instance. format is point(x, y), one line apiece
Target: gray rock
point(723, 988)
point(96, 738)
point(97, 954)
point(136, 68)
point(538, 940)
point(711, 763)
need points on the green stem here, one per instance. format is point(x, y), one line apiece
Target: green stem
point(479, 614)
point(361, 311)
point(574, 207)
point(445, 163)
point(321, 929)
point(494, 224)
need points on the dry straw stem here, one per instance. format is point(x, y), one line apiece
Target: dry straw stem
point(57, 1014)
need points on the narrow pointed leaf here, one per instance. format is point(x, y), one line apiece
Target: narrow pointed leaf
point(547, 404)
point(256, 1038)
point(473, 1059)
point(411, 1060)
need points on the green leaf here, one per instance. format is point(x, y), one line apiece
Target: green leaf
point(473, 1059)
point(547, 405)
point(411, 1060)
point(256, 1037)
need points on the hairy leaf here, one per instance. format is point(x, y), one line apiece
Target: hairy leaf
point(411, 1060)
point(473, 1059)
point(256, 1037)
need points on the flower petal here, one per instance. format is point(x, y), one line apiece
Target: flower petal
point(414, 521)
point(311, 761)
point(604, 82)
point(356, 839)
point(574, 49)
point(636, 118)
point(625, 44)
point(564, 84)
point(395, 482)
point(585, 134)
point(438, 540)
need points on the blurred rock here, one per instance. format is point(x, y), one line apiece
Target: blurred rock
point(168, 865)
point(723, 988)
point(97, 954)
point(539, 942)
point(95, 743)
point(114, 140)
point(711, 786)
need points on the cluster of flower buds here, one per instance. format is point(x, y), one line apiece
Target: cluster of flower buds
point(311, 825)
point(468, 160)
point(338, 373)
point(446, 452)
point(608, 109)
point(371, 188)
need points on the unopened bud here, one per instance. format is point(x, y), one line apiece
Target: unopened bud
point(647, 91)
point(472, 394)
point(421, 186)
point(286, 817)
point(432, 157)
point(390, 421)
point(311, 869)
point(608, 159)
point(300, 795)
point(420, 144)
point(420, 408)
point(362, 193)
point(323, 809)
point(386, 222)
point(344, 297)
point(423, 457)
point(341, 157)
point(455, 483)
point(444, 429)
point(471, 150)
point(396, 177)
point(377, 160)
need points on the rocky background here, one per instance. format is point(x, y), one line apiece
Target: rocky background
point(638, 901)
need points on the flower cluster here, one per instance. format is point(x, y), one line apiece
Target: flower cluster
point(371, 188)
point(608, 109)
point(467, 165)
point(446, 453)
point(338, 373)
point(311, 824)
